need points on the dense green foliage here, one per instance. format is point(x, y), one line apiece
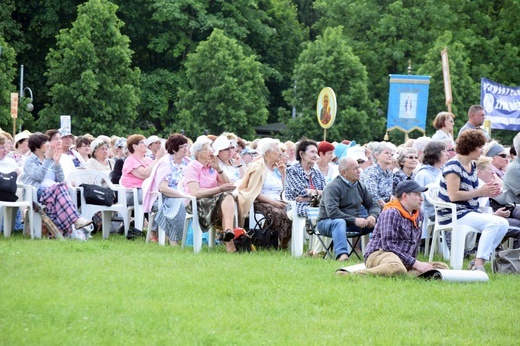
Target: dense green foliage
point(290, 42)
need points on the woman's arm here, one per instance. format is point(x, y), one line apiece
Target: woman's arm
point(34, 170)
point(265, 199)
point(456, 195)
point(168, 191)
point(198, 192)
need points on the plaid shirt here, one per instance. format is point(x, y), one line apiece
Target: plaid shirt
point(394, 233)
point(296, 183)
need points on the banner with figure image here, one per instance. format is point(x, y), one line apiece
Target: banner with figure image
point(407, 102)
point(501, 104)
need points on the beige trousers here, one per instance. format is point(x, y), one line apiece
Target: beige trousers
point(389, 264)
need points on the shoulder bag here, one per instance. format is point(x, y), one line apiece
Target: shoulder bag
point(98, 195)
point(507, 261)
point(8, 187)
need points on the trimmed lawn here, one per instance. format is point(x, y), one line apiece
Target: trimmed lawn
point(111, 292)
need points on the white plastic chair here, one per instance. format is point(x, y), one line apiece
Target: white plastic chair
point(89, 176)
point(24, 193)
point(197, 231)
point(160, 231)
point(458, 232)
point(298, 229)
point(138, 210)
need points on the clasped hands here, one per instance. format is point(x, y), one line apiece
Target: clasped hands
point(369, 222)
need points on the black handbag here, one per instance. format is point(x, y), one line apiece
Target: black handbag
point(8, 187)
point(98, 195)
point(264, 235)
point(495, 205)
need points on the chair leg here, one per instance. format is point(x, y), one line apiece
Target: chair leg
point(458, 239)
point(185, 232)
point(197, 239)
point(353, 246)
point(9, 216)
point(435, 238)
point(106, 223)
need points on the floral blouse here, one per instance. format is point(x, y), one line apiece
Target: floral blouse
point(177, 172)
point(378, 182)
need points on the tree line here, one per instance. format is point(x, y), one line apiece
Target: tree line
point(161, 66)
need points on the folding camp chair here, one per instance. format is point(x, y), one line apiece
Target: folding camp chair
point(353, 236)
point(312, 217)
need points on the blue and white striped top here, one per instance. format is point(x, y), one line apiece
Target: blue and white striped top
point(468, 182)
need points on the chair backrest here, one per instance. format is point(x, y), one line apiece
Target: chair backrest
point(88, 176)
point(180, 187)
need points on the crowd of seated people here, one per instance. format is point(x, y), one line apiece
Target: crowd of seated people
point(226, 174)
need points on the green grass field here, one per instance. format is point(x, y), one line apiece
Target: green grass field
point(115, 292)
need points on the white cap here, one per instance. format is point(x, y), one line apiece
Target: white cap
point(221, 143)
point(22, 135)
point(357, 153)
point(152, 139)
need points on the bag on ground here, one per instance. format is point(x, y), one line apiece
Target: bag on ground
point(507, 261)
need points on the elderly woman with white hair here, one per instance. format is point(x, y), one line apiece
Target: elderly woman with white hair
point(498, 156)
point(378, 178)
point(99, 160)
point(407, 160)
point(205, 180)
point(263, 185)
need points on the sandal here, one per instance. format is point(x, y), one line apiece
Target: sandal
point(229, 235)
point(479, 268)
point(342, 272)
point(471, 264)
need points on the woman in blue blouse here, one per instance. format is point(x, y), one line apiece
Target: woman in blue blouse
point(379, 178)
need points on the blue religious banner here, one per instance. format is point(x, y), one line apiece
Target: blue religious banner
point(407, 103)
point(501, 104)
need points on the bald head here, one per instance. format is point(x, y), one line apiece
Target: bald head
point(349, 169)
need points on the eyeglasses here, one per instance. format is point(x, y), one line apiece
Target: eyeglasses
point(503, 155)
point(451, 149)
point(141, 142)
point(412, 157)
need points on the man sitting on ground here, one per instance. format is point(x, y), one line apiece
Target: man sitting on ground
point(393, 248)
point(340, 205)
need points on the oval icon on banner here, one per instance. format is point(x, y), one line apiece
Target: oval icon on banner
point(326, 107)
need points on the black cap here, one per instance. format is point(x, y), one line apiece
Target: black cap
point(408, 186)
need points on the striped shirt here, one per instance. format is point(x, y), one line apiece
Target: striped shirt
point(468, 182)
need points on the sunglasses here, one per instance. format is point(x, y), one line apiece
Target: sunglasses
point(412, 157)
point(502, 155)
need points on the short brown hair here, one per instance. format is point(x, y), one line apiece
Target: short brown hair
point(82, 141)
point(174, 141)
point(441, 118)
point(470, 140)
point(474, 109)
point(133, 139)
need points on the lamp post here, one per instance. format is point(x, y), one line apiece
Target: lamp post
point(30, 105)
